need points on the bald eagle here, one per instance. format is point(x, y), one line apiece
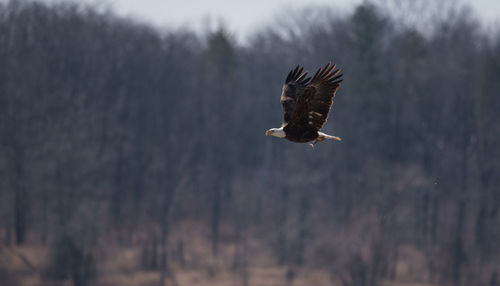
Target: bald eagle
point(306, 103)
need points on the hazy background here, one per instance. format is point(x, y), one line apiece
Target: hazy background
point(134, 154)
point(244, 17)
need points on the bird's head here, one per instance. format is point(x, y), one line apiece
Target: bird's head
point(276, 132)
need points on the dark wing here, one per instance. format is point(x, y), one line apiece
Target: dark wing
point(294, 85)
point(314, 104)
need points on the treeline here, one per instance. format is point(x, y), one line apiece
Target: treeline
point(114, 132)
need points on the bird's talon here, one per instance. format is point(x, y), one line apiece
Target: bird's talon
point(314, 142)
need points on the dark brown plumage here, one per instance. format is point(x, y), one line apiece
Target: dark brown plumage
point(306, 103)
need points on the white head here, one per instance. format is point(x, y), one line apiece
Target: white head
point(276, 132)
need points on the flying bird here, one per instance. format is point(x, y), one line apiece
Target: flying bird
point(306, 103)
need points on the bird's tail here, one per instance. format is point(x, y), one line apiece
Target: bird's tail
point(322, 136)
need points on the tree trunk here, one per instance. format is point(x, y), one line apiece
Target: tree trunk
point(216, 212)
point(20, 197)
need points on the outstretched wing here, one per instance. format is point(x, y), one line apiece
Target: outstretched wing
point(294, 85)
point(314, 103)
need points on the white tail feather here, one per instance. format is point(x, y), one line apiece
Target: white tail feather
point(323, 136)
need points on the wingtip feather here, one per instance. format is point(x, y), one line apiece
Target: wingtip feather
point(323, 71)
point(327, 72)
point(301, 77)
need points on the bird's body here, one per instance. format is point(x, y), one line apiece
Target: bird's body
point(306, 103)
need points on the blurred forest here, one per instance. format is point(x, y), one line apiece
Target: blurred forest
point(132, 155)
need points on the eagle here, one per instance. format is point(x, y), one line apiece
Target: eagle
point(306, 103)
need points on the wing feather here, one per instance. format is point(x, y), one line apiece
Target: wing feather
point(295, 83)
point(315, 102)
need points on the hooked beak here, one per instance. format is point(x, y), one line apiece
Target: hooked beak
point(268, 132)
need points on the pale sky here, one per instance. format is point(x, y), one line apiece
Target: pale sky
point(242, 17)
